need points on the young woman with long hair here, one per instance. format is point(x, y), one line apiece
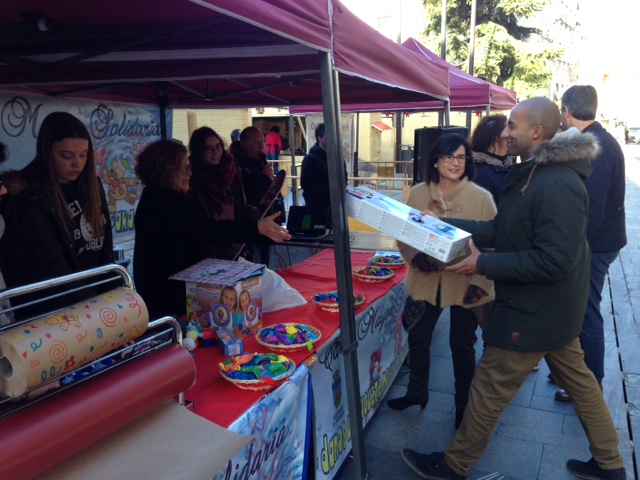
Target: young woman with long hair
point(57, 217)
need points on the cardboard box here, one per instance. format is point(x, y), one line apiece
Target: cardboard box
point(224, 294)
point(430, 235)
point(229, 343)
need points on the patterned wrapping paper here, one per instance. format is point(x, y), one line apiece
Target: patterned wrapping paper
point(51, 346)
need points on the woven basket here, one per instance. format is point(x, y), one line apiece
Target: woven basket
point(334, 307)
point(391, 262)
point(288, 348)
point(366, 274)
point(257, 384)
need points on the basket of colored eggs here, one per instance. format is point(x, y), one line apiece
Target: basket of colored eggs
point(288, 337)
point(328, 301)
point(370, 274)
point(388, 261)
point(256, 371)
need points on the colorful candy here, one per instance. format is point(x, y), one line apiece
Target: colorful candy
point(288, 334)
point(256, 366)
point(386, 259)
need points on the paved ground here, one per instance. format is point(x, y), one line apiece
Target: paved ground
point(536, 435)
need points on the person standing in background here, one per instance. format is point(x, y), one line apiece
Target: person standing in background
point(489, 144)
point(257, 175)
point(314, 175)
point(273, 142)
point(606, 232)
point(217, 188)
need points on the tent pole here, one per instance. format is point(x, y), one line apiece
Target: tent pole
point(294, 169)
point(331, 112)
point(161, 97)
point(447, 107)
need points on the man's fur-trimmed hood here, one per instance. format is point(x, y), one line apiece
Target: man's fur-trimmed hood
point(567, 146)
point(572, 148)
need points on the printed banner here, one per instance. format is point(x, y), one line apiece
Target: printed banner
point(280, 425)
point(119, 132)
point(382, 346)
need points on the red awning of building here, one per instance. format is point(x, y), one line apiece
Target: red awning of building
point(381, 126)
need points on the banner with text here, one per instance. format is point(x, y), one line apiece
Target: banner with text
point(382, 346)
point(280, 424)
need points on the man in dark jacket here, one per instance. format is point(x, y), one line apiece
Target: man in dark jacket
point(314, 177)
point(606, 231)
point(540, 267)
point(257, 175)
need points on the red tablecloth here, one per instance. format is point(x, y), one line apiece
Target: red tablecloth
point(222, 402)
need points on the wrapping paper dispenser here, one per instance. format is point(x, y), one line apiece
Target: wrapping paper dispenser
point(39, 433)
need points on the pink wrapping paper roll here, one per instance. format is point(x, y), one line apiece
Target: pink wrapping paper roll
point(52, 430)
point(51, 346)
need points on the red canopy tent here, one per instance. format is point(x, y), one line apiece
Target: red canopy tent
point(231, 53)
point(467, 92)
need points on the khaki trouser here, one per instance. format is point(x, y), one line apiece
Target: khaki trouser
point(499, 376)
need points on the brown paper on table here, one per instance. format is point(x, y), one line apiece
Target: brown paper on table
point(168, 443)
point(51, 346)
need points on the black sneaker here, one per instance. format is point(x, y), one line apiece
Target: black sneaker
point(591, 471)
point(432, 467)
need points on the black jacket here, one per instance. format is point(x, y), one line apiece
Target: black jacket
point(542, 260)
point(491, 173)
point(256, 184)
point(37, 244)
point(606, 231)
point(172, 233)
point(314, 178)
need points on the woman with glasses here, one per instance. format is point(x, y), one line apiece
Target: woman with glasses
point(57, 220)
point(449, 193)
point(217, 187)
point(172, 231)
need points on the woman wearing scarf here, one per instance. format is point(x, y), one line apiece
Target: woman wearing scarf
point(217, 187)
point(489, 145)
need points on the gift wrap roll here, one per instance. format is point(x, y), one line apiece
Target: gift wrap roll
point(47, 432)
point(51, 346)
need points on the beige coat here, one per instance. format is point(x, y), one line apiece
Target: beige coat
point(467, 201)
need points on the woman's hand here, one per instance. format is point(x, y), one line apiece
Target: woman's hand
point(269, 228)
point(421, 262)
point(473, 294)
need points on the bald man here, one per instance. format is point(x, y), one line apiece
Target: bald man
point(540, 266)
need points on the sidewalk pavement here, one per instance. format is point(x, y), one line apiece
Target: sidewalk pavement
point(536, 435)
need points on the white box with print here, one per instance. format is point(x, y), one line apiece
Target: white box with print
point(430, 235)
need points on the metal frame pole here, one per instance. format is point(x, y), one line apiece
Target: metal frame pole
point(331, 109)
point(294, 169)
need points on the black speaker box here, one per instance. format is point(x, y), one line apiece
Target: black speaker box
point(423, 140)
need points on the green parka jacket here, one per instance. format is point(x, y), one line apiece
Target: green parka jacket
point(541, 261)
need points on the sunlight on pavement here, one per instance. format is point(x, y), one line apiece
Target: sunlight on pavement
point(632, 162)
